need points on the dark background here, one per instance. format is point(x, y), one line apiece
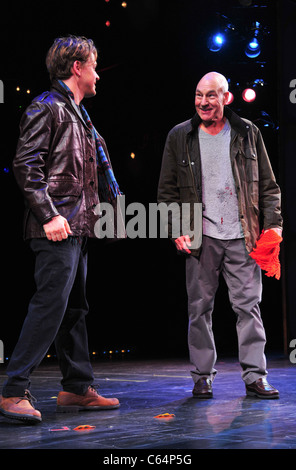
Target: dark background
point(150, 59)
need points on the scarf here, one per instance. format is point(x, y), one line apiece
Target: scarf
point(108, 186)
point(266, 253)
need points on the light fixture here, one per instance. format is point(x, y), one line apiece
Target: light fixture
point(258, 82)
point(215, 42)
point(249, 95)
point(253, 48)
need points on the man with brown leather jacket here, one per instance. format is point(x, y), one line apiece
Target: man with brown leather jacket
point(218, 160)
point(63, 169)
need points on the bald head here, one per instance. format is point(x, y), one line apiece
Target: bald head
point(210, 98)
point(217, 80)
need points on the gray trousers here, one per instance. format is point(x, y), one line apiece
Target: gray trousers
point(243, 279)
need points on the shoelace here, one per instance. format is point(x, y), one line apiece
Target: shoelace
point(93, 388)
point(28, 396)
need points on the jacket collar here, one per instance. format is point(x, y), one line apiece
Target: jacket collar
point(62, 91)
point(57, 87)
point(240, 125)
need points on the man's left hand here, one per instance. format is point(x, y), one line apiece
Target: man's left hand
point(277, 230)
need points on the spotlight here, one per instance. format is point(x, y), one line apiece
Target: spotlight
point(225, 28)
point(249, 95)
point(259, 82)
point(253, 48)
point(215, 42)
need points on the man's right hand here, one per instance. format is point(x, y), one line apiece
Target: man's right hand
point(183, 243)
point(57, 229)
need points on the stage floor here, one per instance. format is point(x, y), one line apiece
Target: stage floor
point(147, 388)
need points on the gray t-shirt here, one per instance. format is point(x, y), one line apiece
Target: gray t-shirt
point(221, 214)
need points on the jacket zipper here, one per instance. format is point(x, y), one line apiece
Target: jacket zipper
point(191, 171)
point(193, 179)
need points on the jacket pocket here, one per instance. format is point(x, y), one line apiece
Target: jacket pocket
point(252, 178)
point(251, 164)
point(64, 186)
point(184, 176)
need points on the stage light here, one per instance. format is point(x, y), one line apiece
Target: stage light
point(215, 42)
point(133, 155)
point(225, 28)
point(249, 95)
point(259, 82)
point(107, 24)
point(253, 48)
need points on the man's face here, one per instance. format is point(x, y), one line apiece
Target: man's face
point(89, 77)
point(210, 100)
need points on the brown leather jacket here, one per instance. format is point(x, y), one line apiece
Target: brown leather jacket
point(55, 165)
point(257, 191)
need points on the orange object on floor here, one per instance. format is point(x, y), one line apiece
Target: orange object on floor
point(84, 427)
point(165, 415)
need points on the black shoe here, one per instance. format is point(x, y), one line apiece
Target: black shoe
point(203, 388)
point(261, 389)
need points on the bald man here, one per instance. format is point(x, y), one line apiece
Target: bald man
point(218, 160)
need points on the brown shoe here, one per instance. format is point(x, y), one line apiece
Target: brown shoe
point(203, 388)
point(20, 408)
point(91, 400)
point(261, 389)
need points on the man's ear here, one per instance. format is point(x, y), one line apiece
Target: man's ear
point(226, 97)
point(76, 68)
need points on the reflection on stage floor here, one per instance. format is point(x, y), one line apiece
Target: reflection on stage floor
point(148, 388)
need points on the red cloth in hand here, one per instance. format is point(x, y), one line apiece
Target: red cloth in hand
point(266, 253)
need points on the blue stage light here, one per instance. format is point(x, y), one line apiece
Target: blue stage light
point(254, 44)
point(253, 49)
point(216, 42)
point(218, 39)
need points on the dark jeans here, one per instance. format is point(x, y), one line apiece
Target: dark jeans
point(56, 314)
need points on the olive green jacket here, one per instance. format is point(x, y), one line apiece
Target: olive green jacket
point(259, 196)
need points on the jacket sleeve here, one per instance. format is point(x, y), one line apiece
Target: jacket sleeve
point(269, 191)
point(168, 190)
point(29, 164)
point(168, 187)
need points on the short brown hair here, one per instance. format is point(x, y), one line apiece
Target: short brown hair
point(64, 52)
